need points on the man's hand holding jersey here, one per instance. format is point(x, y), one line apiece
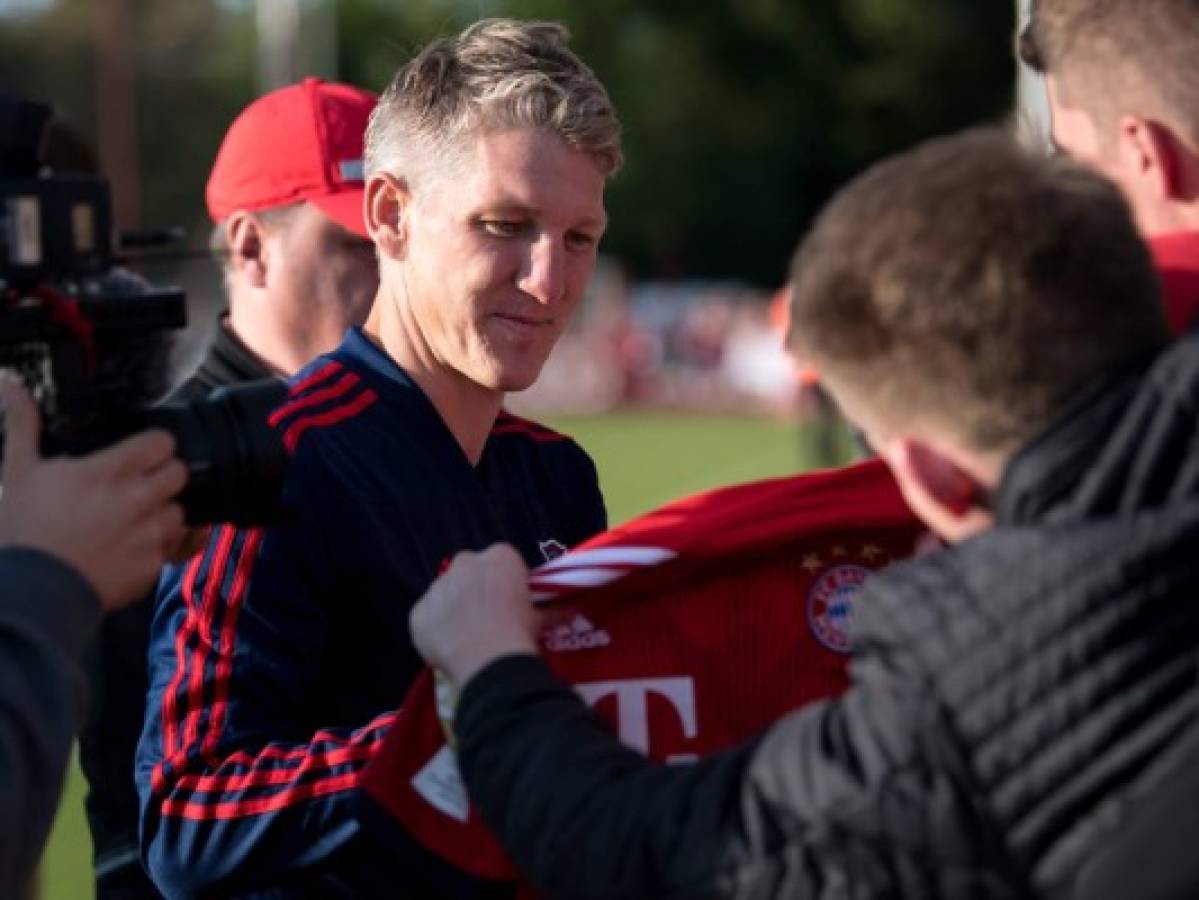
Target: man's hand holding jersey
point(475, 613)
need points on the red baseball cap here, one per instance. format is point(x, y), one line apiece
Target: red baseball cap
point(301, 142)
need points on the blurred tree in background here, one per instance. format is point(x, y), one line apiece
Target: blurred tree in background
point(740, 118)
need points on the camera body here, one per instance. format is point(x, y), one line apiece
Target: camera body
point(92, 344)
point(88, 341)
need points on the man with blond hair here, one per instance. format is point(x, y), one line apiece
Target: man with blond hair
point(279, 656)
point(991, 322)
point(1123, 87)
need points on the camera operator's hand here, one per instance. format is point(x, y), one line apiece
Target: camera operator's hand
point(109, 515)
point(475, 613)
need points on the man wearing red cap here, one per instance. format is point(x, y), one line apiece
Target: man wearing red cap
point(285, 194)
point(1124, 99)
point(279, 656)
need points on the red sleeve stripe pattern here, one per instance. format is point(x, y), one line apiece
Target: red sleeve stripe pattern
point(317, 376)
point(506, 423)
point(307, 401)
point(238, 772)
point(291, 437)
point(195, 689)
point(315, 770)
point(241, 784)
point(183, 708)
point(170, 731)
point(278, 776)
point(223, 670)
point(291, 754)
point(329, 395)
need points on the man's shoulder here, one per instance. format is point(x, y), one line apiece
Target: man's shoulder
point(196, 386)
point(325, 397)
point(226, 361)
point(1024, 579)
point(545, 464)
point(552, 452)
point(978, 578)
point(515, 434)
point(510, 425)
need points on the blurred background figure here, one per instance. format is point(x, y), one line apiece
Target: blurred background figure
point(826, 438)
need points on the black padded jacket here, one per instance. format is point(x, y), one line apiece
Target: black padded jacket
point(1020, 722)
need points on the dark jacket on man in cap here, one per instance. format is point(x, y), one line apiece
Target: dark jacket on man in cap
point(120, 682)
point(1022, 719)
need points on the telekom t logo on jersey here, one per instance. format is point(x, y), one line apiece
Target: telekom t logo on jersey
point(440, 783)
point(632, 707)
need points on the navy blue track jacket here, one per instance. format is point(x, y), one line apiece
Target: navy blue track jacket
point(278, 655)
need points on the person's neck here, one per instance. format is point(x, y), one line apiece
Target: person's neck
point(468, 409)
point(1168, 220)
point(263, 337)
point(1160, 215)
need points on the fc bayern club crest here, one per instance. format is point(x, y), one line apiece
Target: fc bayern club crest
point(830, 605)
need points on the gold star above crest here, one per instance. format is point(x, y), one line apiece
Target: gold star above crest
point(812, 563)
point(869, 552)
point(840, 551)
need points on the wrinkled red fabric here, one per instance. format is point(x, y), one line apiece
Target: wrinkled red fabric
point(688, 629)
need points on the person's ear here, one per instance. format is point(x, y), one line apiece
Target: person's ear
point(941, 490)
point(1152, 156)
point(386, 207)
point(248, 251)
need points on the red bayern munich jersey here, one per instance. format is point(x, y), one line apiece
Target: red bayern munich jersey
point(688, 629)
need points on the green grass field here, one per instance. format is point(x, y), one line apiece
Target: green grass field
point(644, 460)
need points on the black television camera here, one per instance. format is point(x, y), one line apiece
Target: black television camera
point(92, 342)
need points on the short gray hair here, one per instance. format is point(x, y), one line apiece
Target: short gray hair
point(497, 74)
point(273, 217)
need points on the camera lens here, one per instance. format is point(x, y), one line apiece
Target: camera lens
point(236, 462)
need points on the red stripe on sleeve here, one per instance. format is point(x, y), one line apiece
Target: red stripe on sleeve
point(506, 423)
point(234, 809)
point(333, 391)
point(360, 402)
point(541, 437)
point(169, 700)
point(354, 751)
point(321, 737)
point(224, 664)
point(271, 752)
point(212, 594)
point(325, 372)
point(314, 761)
